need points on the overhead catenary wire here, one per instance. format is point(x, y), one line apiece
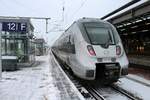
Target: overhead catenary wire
point(82, 4)
point(58, 24)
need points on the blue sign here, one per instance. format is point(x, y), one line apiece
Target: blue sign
point(14, 26)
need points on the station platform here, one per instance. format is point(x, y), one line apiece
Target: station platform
point(68, 91)
point(139, 60)
point(42, 81)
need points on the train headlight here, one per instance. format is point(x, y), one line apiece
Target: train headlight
point(91, 50)
point(118, 50)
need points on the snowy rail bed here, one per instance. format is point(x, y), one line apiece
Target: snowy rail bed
point(67, 89)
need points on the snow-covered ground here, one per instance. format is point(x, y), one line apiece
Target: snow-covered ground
point(46, 81)
point(139, 79)
point(134, 87)
point(33, 83)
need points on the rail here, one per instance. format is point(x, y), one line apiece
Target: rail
point(124, 92)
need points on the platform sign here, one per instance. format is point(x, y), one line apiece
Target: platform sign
point(14, 26)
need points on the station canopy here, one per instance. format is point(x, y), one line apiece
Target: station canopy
point(135, 20)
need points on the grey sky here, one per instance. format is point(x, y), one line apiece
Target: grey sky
point(74, 9)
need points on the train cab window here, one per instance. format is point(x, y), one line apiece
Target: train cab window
point(99, 35)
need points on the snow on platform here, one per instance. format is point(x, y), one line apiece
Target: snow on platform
point(67, 89)
point(9, 57)
point(34, 83)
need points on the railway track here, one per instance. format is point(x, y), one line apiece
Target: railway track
point(141, 74)
point(110, 92)
point(96, 91)
point(126, 93)
point(139, 81)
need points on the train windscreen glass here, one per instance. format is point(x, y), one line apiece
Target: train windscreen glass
point(99, 35)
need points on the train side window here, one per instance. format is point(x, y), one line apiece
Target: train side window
point(71, 44)
point(63, 44)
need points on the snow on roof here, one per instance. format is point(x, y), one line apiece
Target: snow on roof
point(132, 6)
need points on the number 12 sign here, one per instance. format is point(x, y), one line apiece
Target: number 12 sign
point(14, 26)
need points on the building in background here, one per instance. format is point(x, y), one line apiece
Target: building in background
point(41, 47)
point(133, 26)
point(17, 42)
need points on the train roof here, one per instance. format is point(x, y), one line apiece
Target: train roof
point(84, 20)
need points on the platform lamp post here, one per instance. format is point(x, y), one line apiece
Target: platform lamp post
point(0, 51)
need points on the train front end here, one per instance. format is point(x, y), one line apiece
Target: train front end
point(105, 55)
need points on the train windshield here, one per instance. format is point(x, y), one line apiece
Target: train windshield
point(99, 34)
